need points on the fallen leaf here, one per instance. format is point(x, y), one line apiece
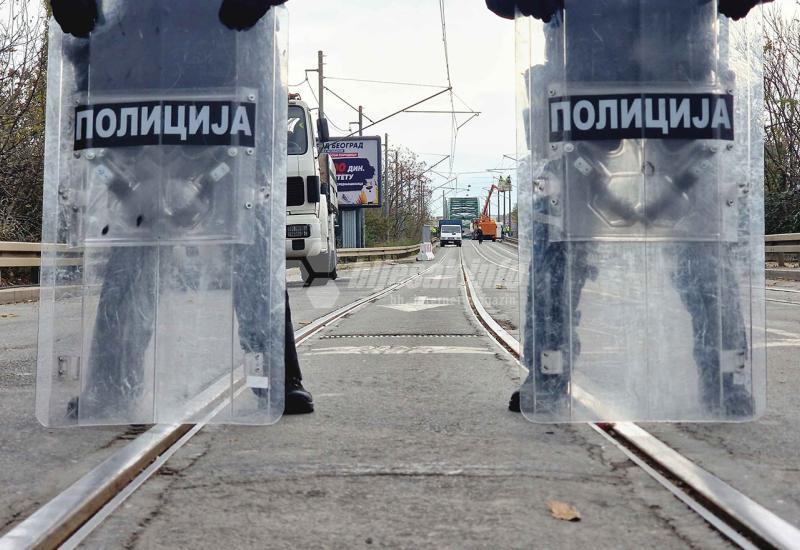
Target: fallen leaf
point(7, 315)
point(563, 511)
point(304, 323)
point(500, 287)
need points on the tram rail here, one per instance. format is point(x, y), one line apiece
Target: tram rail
point(736, 516)
point(70, 517)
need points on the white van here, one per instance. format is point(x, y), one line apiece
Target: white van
point(311, 199)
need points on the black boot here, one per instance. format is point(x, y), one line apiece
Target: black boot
point(513, 403)
point(737, 401)
point(552, 394)
point(72, 408)
point(298, 399)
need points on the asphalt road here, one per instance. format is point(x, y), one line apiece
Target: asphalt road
point(411, 447)
point(36, 463)
point(758, 458)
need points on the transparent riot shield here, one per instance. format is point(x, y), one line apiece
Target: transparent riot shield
point(164, 207)
point(641, 213)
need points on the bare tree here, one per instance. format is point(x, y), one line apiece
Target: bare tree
point(407, 194)
point(782, 132)
point(23, 77)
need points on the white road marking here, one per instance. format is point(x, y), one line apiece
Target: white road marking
point(399, 350)
point(440, 277)
point(419, 304)
point(475, 246)
point(784, 344)
point(785, 333)
point(413, 308)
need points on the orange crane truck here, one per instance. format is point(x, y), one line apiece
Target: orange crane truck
point(486, 227)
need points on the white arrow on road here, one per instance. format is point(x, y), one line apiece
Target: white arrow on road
point(418, 305)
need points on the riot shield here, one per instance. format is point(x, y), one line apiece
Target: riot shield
point(641, 213)
point(164, 205)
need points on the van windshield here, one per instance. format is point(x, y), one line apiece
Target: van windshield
point(451, 229)
point(298, 133)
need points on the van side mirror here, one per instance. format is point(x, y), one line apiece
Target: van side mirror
point(323, 130)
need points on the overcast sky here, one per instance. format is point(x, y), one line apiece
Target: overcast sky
point(402, 41)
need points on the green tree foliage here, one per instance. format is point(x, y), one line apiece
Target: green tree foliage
point(23, 82)
point(782, 132)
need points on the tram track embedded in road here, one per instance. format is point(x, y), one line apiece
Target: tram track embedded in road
point(70, 517)
point(739, 518)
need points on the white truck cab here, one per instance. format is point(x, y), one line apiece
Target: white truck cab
point(450, 233)
point(311, 199)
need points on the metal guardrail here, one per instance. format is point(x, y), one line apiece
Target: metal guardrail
point(20, 254)
point(789, 244)
point(352, 254)
point(13, 254)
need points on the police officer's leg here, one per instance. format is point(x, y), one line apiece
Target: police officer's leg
point(736, 390)
point(708, 289)
point(122, 333)
point(559, 272)
point(253, 316)
point(291, 362)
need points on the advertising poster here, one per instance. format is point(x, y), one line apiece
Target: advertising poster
point(358, 170)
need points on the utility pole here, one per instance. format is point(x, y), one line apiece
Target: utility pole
point(360, 120)
point(397, 193)
point(444, 206)
point(321, 74)
point(498, 202)
point(385, 189)
point(509, 202)
point(504, 207)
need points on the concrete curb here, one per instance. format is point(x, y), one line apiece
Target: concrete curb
point(789, 274)
point(31, 293)
point(17, 295)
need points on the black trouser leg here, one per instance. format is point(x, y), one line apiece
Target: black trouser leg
point(291, 362)
point(122, 332)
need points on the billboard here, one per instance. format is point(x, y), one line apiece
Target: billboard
point(358, 170)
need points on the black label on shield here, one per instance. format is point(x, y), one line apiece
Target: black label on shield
point(168, 122)
point(637, 116)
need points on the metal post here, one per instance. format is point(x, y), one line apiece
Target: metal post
point(498, 208)
point(321, 74)
point(510, 208)
point(385, 189)
point(444, 206)
point(360, 120)
point(504, 209)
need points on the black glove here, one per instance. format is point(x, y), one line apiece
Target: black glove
point(76, 17)
point(736, 9)
point(540, 9)
point(241, 15)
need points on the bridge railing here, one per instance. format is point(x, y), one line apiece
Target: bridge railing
point(779, 246)
point(13, 254)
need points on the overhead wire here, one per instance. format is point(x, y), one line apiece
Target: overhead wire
point(386, 82)
point(454, 119)
point(327, 116)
